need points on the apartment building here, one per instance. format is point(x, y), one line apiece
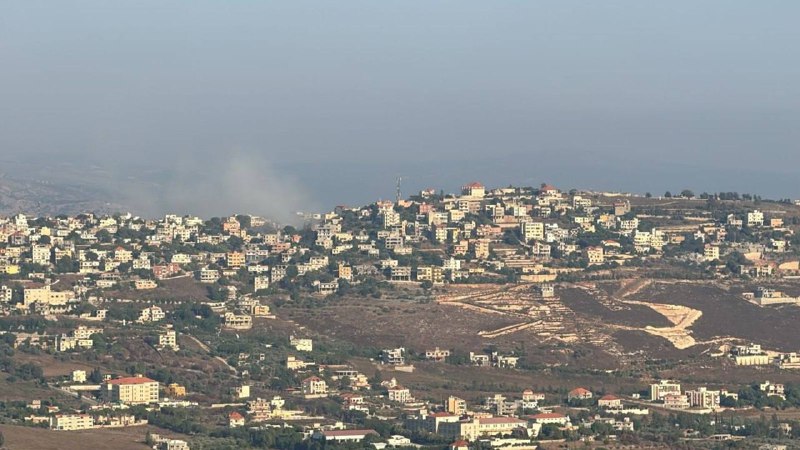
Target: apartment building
point(314, 387)
point(703, 398)
point(238, 321)
point(137, 390)
point(71, 422)
point(662, 388)
point(168, 339)
point(595, 255)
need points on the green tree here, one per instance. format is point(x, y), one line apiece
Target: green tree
point(66, 265)
point(96, 376)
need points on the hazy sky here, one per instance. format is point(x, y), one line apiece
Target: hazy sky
point(316, 103)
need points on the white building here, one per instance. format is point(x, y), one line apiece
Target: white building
point(168, 339)
point(659, 390)
point(301, 345)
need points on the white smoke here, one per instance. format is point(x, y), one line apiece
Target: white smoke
point(220, 185)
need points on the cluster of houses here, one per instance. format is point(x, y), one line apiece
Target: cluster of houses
point(755, 355)
point(472, 229)
point(476, 234)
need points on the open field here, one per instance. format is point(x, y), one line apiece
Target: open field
point(641, 328)
point(633, 315)
point(438, 380)
point(183, 289)
point(52, 366)
point(27, 390)
point(27, 438)
point(398, 323)
point(726, 314)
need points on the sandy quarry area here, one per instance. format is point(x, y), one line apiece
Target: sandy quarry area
point(682, 317)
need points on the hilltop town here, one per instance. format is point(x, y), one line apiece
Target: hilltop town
point(503, 318)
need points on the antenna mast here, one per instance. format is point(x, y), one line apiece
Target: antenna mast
point(399, 195)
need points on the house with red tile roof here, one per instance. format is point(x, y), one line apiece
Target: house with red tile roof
point(459, 445)
point(235, 420)
point(473, 189)
point(579, 394)
point(609, 401)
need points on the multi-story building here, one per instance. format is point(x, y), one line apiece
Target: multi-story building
point(40, 254)
point(437, 354)
point(771, 389)
point(394, 356)
point(400, 394)
point(175, 390)
point(710, 252)
point(401, 273)
point(151, 314)
point(676, 401)
point(473, 189)
point(135, 390)
point(238, 321)
point(209, 276)
point(595, 255)
point(301, 344)
point(532, 231)
point(434, 274)
point(235, 260)
point(71, 422)
point(314, 387)
point(492, 426)
point(755, 218)
point(6, 294)
point(703, 398)
point(390, 218)
point(662, 388)
point(44, 295)
point(480, 247)
point(84, 332)
point(66, 343)
point(457, 406)
point(168, 339)
point(260, 282)
point(242, 391)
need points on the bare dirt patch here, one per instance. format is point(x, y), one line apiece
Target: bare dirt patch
point(393, 323)
point(27, 438)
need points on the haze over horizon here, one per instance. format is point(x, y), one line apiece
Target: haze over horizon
point(270, 107)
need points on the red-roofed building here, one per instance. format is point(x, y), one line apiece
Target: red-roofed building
point(163, 271)
point(529, 396)
point(548, 189)
point(138, 390)
point(473, 189)
point(579, 394)
point(235, 420)
point(609, 401)
point(459, 445)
